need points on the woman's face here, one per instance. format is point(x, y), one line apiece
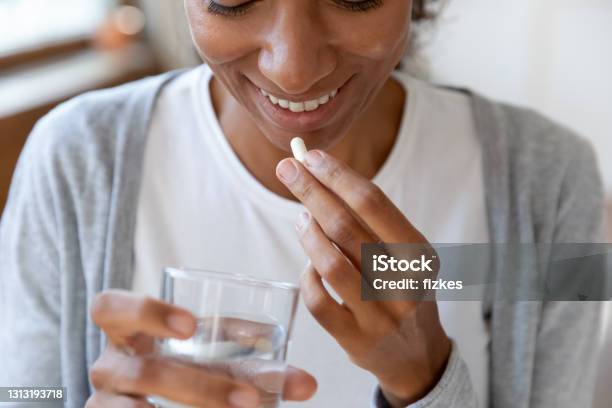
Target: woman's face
point(302, 52)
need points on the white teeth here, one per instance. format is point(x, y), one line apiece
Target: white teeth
point(298, 107)
point(311, 105)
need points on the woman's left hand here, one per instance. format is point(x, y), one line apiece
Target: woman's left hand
point(401, 342)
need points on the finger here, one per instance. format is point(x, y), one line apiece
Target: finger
point(121, 315)
point(331, 264)
point(299, 385)
point(118, 373)
point(365, 198)
point(336, 319)
point(139, 344)
point(273, 378)
point(247, 333)
point(336, 220)
point(104, 400)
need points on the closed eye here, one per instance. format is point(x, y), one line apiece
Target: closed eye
point(233, 11)
point(363, 5)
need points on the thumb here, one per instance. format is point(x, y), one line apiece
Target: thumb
point(299, 385)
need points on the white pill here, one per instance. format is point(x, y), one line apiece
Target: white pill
point(298, 147)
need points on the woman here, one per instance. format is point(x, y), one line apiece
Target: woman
point(190, 168)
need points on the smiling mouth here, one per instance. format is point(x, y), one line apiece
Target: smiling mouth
point(306, 112)
point(297, 106)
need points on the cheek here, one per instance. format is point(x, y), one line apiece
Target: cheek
point(217, 39)
point(382, 35)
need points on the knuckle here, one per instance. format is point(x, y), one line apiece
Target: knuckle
point(341, 229)
point(316, 304)
point(335, 173)
point(367, 198)
point(97, 378)
point(100, 305)
point(333, 267)
point(306, 190)
point(134, 375)
point(123, 373)
point(97, 374)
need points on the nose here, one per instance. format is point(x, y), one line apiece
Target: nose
point(296, 53)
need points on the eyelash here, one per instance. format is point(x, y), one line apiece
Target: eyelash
point(359, 6)
point(216, 8)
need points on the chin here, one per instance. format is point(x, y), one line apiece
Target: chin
point(321, 139)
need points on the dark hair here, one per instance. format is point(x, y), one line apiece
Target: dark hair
point(421, 10)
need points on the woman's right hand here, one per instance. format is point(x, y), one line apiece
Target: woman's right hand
point(126, 372)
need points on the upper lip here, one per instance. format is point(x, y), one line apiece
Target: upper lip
point(302, 97)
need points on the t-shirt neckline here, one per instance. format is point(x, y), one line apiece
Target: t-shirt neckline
point(243, 180)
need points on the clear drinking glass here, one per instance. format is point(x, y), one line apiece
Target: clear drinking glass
point(243, 327)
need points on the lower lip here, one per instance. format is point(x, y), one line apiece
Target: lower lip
point(300, 121)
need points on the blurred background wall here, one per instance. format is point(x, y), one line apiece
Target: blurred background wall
point(169, 33)
point(551, 55)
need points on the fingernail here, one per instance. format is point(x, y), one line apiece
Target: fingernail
point(287, 170)
point(243, 398)
point(180, 323)
point(314, 158)
point(303, 220)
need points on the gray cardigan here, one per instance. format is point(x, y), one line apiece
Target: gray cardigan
point(67, 233)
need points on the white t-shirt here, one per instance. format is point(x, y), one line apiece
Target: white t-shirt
point(199, 207)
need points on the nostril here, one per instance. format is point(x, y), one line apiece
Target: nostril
point(293, 76)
